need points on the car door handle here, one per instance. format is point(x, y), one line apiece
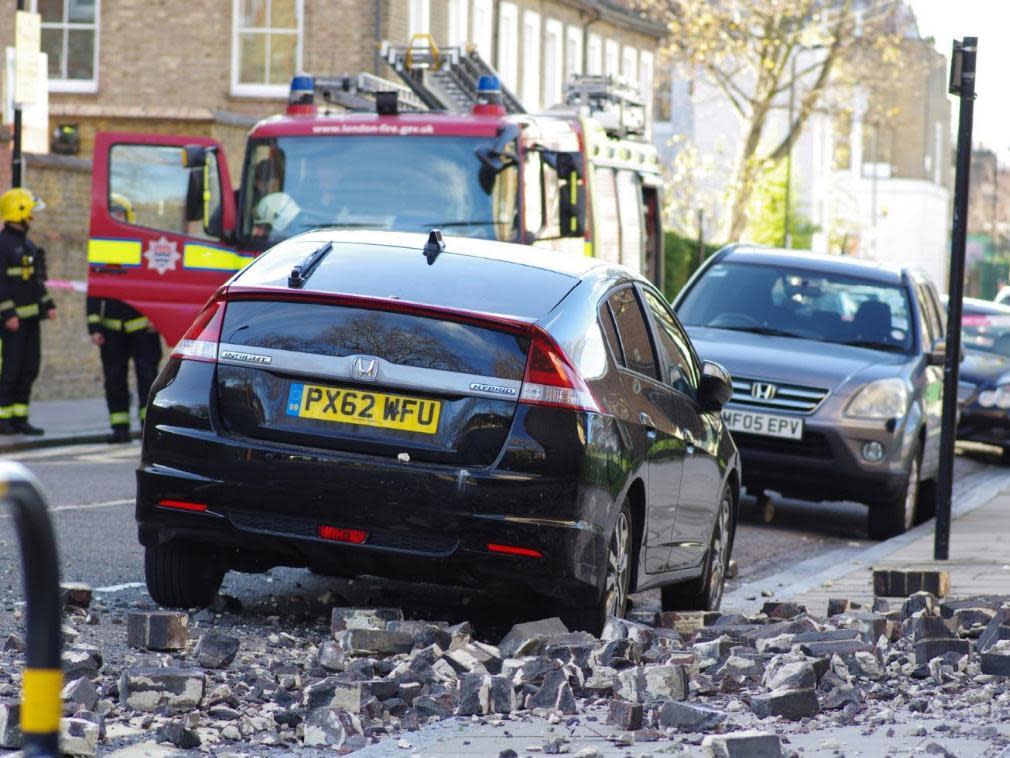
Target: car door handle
point(647, 422)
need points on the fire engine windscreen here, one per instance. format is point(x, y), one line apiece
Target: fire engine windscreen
point(293, 184)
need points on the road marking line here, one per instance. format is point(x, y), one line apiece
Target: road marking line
point(119, 587)
point(84, 506)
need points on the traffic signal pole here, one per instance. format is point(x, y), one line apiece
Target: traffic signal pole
point(962, 84)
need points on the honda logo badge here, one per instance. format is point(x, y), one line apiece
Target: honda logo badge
point(366, 369)
point(763, 391)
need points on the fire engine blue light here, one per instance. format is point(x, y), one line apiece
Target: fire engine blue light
point(488, 83)
point(303, 89)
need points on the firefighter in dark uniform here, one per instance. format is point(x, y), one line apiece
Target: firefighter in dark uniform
point(23, 303)
point(122, 333)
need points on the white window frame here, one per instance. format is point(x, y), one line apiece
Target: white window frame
point(459, 22)
point(646, 72)
point(612, 58)
point(508, 37)
point(594, 55)
point(418, 17)
point(483, 27)
point(573, 52)
point(629, 64)
point(80, 86)
point(553, 63)
point(246, 89)
point(532, 42)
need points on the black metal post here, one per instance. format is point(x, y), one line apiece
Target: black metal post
point(16, 152)
point(787, 237)
point(962, 83)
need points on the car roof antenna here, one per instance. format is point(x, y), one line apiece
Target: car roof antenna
point(433, 246)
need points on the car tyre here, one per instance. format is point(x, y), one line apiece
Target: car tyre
point(182, 575)
point(705, 593)
point(616, 583)
point(897, 515)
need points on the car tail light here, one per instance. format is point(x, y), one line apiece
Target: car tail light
point(200, 341)
point(552, 380)
point(525, 552)
point(183, 505)
point(338, 534)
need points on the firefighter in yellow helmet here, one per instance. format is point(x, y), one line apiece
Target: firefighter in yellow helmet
point(23, 303)
point(122, 333)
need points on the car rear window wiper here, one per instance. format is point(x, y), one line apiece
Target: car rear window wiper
point(301, 273)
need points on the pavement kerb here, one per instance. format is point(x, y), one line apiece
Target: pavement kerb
point(972, 493)
point(39, 443)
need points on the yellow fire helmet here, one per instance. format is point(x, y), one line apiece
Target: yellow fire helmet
point(121, 208)
point(16, 205)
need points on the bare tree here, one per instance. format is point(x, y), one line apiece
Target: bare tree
point(757, 51)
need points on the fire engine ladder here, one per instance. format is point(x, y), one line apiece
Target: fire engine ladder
point(614, 102)
point(359, 93)
point(444, 78)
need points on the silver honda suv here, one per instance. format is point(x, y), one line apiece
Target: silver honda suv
point(836, 376)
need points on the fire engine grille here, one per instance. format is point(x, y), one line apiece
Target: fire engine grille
point(295, 526)
point(759, 394)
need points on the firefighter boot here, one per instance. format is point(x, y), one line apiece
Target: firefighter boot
point(120, 434)
point(21, 426)
point(6, 427)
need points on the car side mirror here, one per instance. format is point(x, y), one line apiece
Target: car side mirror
point(716, 387)
point(572, 197)
point(938, 355)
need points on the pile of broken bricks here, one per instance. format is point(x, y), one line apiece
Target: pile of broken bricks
point(729, 683)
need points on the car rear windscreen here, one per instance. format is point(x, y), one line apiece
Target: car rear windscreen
point(463, 282)
point(400, 338)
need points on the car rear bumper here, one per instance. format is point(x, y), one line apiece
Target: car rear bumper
point(428, 522)
point(827, 463)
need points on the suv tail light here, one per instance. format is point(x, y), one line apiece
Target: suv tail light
point(200, 341)
point(552, 380)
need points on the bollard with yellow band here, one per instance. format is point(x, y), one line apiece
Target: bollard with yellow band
point(43, 679)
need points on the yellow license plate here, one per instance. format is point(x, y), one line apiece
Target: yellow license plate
point(355, 406)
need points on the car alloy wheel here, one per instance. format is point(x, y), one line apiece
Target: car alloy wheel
point(719, 554)
point(618, 567)
point(911, 493)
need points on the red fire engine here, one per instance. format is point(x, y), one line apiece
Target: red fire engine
point(445, 149)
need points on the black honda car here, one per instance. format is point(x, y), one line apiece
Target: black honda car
point(481, 414)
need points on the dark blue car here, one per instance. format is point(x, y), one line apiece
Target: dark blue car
point(984, 390)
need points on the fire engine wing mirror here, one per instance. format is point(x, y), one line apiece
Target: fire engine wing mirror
point(198, 159)
point(572, 193)
point(194, 156)
point(498, 155)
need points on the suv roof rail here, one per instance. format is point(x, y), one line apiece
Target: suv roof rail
point(444, 78)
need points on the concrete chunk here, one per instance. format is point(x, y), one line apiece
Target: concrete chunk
point(75, 595)
point(625, 716)
point(995, 664)
point(689, 717)
point(78, 737)
point(151, 688)
point(330, 727)
point(358, 641)
point(927, 650)
point(649, 684)
point(529, 638)
point(789, 704)
point(342, 619)
point(785, 674)
point(157, 630)
point(81, 692)
point(474, 695)
point(750, 744)
point(10, 725)
point(216, 650)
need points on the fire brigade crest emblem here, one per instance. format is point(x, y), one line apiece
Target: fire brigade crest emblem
point(162, 255)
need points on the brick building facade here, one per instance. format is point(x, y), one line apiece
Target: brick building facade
point(215, 68)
